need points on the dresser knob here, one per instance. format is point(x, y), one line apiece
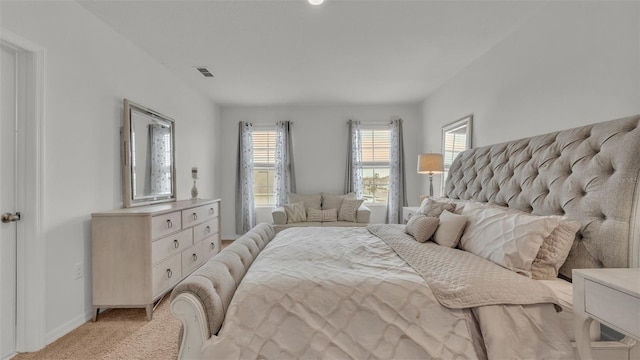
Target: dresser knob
point(194, 216)
point(169, 273)
point(176, 244)
point(211, 211)
point(208, 229)
point(195, 257)
point(213, 246)
point(169, 224)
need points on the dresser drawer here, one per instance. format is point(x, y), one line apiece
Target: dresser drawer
point(605, 303)
point(165, 224)
point(194, 257)
point(169, 245)
point(166, 274)
point(200, 214)
point(211, 246)
point(205, 230)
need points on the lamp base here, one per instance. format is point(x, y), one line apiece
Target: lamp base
point(431, 185)
point(194, 190)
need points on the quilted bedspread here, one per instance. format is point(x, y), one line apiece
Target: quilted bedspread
point(324, 293)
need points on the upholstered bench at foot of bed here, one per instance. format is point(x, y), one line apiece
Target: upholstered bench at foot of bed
point(200, 301)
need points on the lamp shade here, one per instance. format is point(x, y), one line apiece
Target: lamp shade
point(430, 163)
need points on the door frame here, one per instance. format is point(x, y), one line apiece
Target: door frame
point(31, 270)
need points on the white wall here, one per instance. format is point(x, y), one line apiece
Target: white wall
point(571, 64)
point(89, 69)
point(320, 147)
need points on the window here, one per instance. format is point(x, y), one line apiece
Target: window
point(375, 163)
point(456, 138)
point(264, 150)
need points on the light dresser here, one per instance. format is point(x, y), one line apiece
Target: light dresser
point(139, 254)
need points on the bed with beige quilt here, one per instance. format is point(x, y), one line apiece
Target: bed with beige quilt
point(531, 210)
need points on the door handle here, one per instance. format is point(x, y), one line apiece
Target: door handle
point(9, 217)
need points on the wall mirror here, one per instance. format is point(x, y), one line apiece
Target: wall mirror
point(148, 162)
point(456, 138)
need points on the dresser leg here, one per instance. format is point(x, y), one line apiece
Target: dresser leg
point(96, 310)
point(149, 309)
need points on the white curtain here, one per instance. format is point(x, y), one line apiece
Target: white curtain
point(160, 160)
point(284, 175)
point(397, 183)
point(354, 181)
point(245, 217)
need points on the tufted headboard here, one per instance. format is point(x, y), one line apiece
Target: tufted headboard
point(589, 174)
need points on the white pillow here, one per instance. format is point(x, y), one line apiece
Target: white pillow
point(322, 215)
point(349, 210)
point(450, 229)
point(555, 247)
point(295, 212)
point(509, 239)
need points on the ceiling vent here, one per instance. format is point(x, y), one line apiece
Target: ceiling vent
point(204, 71)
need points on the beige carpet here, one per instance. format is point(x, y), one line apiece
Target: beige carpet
point(118, 334)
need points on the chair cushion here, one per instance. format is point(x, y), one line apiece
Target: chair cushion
point(330, 201)
point(312, 201)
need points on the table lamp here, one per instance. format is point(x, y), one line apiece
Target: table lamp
point(430, 163)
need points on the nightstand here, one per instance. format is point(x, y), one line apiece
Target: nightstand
point(610, 296)
point(408, 212)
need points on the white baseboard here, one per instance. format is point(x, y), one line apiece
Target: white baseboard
point(10, 356)
point(68, 327)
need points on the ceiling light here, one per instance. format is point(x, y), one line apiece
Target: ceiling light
point(315, 2)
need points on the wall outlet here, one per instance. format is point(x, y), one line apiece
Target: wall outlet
point(78, 270)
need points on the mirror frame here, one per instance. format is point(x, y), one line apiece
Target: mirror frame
point(467, 122)
point(129, 198)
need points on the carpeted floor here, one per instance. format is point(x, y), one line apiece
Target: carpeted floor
point(118, 334)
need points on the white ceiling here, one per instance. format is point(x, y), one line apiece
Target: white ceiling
point(290, 52)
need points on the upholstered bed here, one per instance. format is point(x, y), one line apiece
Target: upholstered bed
point(376, 292)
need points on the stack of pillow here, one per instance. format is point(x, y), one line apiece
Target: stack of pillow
point(322, 208)
point(531, 245)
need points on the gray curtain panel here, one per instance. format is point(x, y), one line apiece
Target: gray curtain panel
point(353, 178)
point(284, 172)
point(245, 217)
point(397, 182)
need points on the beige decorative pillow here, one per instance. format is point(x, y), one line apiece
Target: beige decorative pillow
point(422, 227)
point(312, 201)
point(295, 212)
point(349, 210)
point(322, 215)
point(330, 201)
point(509, 239)
point(554, 251)
point(433, 208)
point(450, 230)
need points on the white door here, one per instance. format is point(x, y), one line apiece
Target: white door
point(8, 231)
